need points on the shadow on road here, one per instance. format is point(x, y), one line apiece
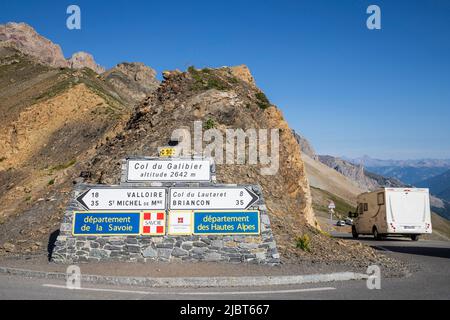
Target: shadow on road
point(395, 245)
point(371, 238)
point(424, 251)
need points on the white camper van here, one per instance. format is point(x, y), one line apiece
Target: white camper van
point(393, 211)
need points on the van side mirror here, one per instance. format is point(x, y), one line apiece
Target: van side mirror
point(352, 214)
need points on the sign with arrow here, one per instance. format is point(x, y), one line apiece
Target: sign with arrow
point(215, 198)
point(118, 198)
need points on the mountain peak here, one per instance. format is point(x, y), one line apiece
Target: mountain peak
point(24, 38)
point(82, 59)
point(243, 72)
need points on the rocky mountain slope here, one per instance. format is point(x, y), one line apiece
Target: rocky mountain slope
point(325, 178)
point(52, 120)
point(439, 185)
point(357, 173)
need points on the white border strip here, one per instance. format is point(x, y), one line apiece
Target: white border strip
point(197, 282)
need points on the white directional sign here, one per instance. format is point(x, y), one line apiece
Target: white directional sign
point(331, 205)
point(123, 199)
point(232, 198)
point(168, 170)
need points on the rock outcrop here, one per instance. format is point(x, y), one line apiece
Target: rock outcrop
point(25, 39)
point(82, 59)
point(367, 181)
point(243, 72)
point(133, 81)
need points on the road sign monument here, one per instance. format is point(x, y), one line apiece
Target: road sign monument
point(166, 209)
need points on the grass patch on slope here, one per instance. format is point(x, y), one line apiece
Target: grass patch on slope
point(63, 166)
point(205, 79)
point(262, 100)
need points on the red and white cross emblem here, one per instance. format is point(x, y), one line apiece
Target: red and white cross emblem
point(154, 223)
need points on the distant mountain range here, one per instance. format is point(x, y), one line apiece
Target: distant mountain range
point(373, 162)
point(408, 171)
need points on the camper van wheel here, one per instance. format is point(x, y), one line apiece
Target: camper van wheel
point(376, 235)
point(354, 233)
point(414, 237)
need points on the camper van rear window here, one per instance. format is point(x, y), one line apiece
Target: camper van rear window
point(380, 198)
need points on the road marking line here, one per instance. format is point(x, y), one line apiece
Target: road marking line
point(96, 289)
point(193, 293)
point(262, 292)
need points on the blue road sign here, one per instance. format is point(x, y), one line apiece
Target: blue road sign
point(106, 223)
point(226, 222)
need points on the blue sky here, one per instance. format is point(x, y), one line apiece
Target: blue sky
point(351, 91)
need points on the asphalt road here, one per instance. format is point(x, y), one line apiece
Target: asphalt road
point(430, 280)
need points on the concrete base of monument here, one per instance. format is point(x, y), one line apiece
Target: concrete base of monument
point(198, 274)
